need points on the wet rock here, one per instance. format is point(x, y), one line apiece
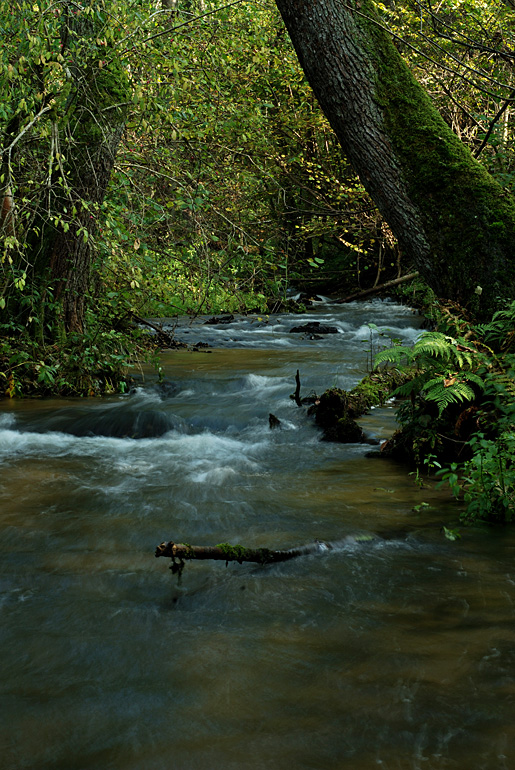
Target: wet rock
point(222, 319)
point(345, 431)
point(273, 421)
point(308, 299)
point(117, 421)
point(167, 388)
point(314, 328)
point(332, 414)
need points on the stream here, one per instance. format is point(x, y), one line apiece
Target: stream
point(393, 653)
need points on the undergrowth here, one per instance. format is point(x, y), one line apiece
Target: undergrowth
point(460, 409)
point(97, 362)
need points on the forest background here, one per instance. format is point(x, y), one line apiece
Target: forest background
point(224, 185)
point(172, 158)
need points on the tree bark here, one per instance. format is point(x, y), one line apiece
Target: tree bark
point(85, 127)
point(449, 215)
point(93, 128)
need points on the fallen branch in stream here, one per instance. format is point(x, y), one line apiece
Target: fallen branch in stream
point(377, 289)
point(296, 395)
point(182, 552)
point(163, 337)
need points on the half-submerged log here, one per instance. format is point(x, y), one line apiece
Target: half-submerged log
point(227, 552)
point(181, 552)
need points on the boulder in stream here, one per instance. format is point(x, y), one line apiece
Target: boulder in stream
point(332, 414)
point(221, 319)
point(314, 327)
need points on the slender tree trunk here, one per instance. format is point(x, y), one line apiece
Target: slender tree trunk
point(450, 217)
point(71, 252)
point(85, 133)
point(93, 129)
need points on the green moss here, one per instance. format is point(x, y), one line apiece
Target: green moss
point(338, 409)
point(469, 219)
point(234, 552)
point(104, 104)
point(375, 389)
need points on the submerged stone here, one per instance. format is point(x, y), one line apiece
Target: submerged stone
point(314, 327)
point(222, 319)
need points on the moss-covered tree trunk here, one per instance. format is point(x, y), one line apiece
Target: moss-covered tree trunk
point(99, 117)
point(449, 215)
point(86, 132)
point(94, 123)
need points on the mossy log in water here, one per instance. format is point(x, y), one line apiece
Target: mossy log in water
point(227, 552)
point(181, 552)
point(336, 410)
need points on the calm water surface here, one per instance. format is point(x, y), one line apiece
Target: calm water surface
point(398, 653)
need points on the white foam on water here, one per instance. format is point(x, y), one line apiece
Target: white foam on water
point(263, 386)
point(12, 443)
point(214, 476)
point(6, 420)
point(270, 342)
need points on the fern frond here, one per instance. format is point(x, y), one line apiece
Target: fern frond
point(411, 386)
point(474, 378)
point(435, 345)
point(398, 354)
point(500, 332)
point(435, 390)
point(503, 383)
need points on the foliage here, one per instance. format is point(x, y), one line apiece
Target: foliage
point(499, 333)
point(486, 482)
point(445, 369)
point(460, 412)
point(96, 363)
point(228, 184)
point(461, 51)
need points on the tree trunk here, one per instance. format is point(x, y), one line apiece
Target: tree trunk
point(449, 215)
point(84, 130)
point(70, 252)
point(93, 129)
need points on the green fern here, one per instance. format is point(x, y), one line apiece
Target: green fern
point(411, 386)
point(431, 346)
point(503, 383)
point(443, 395)
point(500, 332)
point(444, 367)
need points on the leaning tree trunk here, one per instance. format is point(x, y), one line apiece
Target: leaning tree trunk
point(449, 215)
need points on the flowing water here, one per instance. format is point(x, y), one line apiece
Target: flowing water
point(398, 652)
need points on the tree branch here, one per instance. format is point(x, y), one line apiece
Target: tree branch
point(181, 552)
point(377, 289)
